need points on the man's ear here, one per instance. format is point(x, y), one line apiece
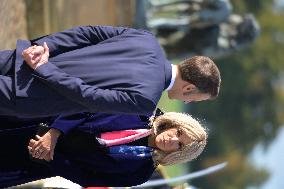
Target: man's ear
point(188, 88)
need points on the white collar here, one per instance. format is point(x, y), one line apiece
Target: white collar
point(174, 74)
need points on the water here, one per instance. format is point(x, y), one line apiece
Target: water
point(272, 159)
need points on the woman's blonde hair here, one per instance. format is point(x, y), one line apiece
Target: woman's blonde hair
point(190, 127)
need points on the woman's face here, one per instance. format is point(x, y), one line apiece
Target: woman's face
point(172, 140)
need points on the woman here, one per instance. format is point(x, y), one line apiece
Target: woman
point(85, 155)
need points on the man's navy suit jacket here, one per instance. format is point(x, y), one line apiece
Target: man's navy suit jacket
point(92, 69)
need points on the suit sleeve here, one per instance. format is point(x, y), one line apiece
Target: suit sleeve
point(66, 123)
point(125, 179)
point(93, 98)
point(77, 37)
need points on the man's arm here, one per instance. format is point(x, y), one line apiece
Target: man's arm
point(77, 37)
point(93, 98)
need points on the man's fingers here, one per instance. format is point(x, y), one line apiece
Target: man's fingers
point(51, 154)
point(38, 137)
point(36, 147)
point(37, 154)
point(30, 149)
point(36, 58)
point(32, 142)
point(37, 52)
point(25, 55)
point(34, 152)
point(45, 46)
point(29, 50)
point(47, 157)
point(46, 49)
point(30, 56)
point(43, 155)
point(24, 52)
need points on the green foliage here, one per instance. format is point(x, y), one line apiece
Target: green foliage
point(254, 6)
point(250, 107)
point(238, 173)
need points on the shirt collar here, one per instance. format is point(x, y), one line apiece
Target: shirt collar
point(174, 72)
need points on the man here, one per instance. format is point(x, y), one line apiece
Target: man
point(98, 68)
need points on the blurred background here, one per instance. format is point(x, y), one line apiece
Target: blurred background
point(245, 39)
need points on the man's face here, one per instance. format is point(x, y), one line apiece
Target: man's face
point(194, 97)
point(188, 94)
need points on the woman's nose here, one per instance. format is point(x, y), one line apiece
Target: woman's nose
point(174, 142)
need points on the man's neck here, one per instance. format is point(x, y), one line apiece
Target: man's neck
point(177, 78)
point(173, 78)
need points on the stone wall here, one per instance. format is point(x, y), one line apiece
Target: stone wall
point(48, 16)
point(13, 24)
point(22, 19)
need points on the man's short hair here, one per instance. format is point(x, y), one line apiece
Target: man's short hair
point(202, 72)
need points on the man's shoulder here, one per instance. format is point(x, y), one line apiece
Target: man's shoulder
point(138, 31)
point(146, 32)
